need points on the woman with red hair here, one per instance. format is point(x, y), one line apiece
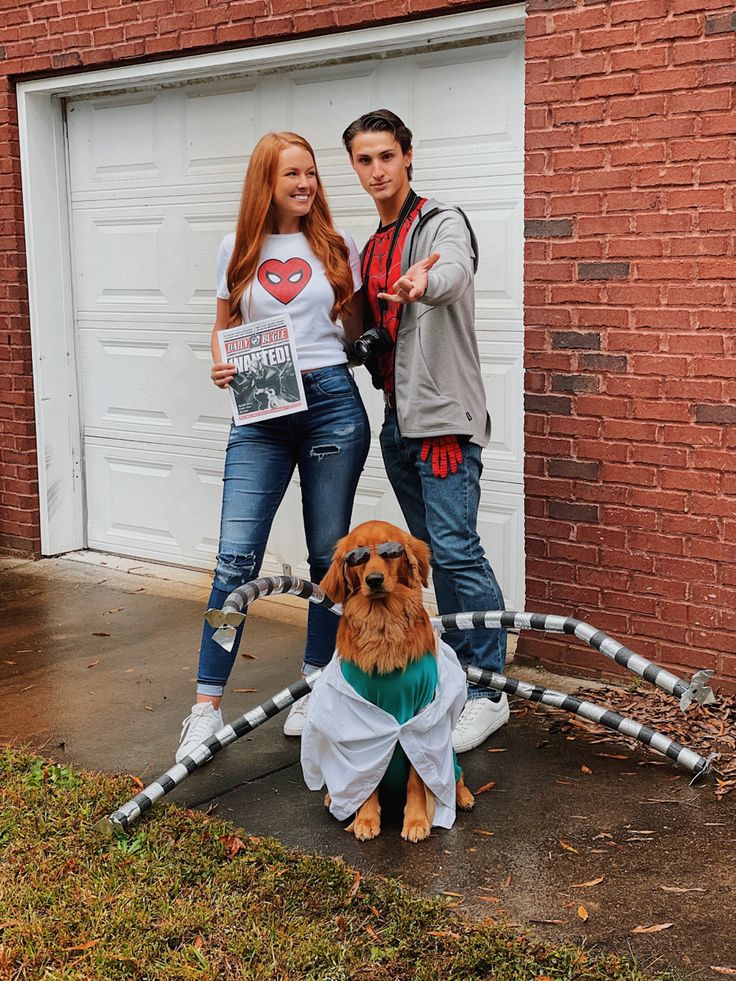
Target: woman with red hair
point(286, 256)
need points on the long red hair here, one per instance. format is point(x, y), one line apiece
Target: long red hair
point(256, 222)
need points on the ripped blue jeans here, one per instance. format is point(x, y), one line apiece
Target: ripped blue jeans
point(328, 443)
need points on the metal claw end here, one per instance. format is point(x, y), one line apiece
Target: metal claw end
point(225, 625)
point(225, 637)
point(105, 828)
point(705, 770)
point(699, 691)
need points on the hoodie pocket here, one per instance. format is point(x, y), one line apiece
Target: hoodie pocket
point(425, 362)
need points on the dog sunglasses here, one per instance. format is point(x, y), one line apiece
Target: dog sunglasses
point(387, 550)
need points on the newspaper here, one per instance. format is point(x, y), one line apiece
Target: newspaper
point(268, 382)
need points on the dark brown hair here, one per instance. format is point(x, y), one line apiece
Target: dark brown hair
point(380, 121)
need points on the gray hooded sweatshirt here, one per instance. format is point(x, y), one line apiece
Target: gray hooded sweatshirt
point(437, 379)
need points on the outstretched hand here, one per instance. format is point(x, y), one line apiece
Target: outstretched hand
point(413, 284)
point(447, 454)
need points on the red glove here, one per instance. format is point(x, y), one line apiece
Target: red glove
point(447, 454)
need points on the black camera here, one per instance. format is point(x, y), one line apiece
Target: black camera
point(372, 344)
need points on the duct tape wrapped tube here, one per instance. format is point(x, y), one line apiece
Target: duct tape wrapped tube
point(696, 690)
point(684, 757)
point(144, 801)
point(233, 613)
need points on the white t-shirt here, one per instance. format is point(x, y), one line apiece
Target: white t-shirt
point(291, 279)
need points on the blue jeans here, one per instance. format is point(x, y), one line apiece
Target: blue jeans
point(444, 513)
point(328, 443)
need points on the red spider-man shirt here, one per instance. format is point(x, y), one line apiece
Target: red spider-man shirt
point(377, 279)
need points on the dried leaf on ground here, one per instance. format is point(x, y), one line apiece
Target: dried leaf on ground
point(485, 788)
point(705, 728)
point(240, 691)
point(482, 831)
point(497, 749)
point(99, 633)
point(583, 914)
point(586, 770)
point(723, 970)
point(654, 928)
point(93, 664)
point(568, 847)
point(85, 946)
point(593, 882)
point(683, 888)
point(248, 655)
point(354, 887)
point(136, 781)
point(232, 844)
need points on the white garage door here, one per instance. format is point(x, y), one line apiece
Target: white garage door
point(155, 183)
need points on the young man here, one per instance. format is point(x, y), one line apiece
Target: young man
point(421, 348)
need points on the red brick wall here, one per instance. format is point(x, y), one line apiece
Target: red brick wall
point(631, 374)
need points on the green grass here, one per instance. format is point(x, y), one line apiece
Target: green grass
point(167, 902)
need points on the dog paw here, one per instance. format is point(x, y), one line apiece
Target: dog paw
point(366, 828)
point(464, 799)
point(415, 830)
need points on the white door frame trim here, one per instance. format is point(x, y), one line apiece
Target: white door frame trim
point(47, 226)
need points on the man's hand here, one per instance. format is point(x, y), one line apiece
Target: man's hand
point(447, 454)
point(413, 284)
point(222, 373)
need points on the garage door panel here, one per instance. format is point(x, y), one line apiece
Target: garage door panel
point(450, 85)
point(134, 264)
point(126, 270)
point(154, 505)
point(329, 99)
point(155, 184)
point(499, 284)
point(219, 131)
point(501, 528)
point(502, 369)
point(153, 388)
point(203, 234)
point(110, 142)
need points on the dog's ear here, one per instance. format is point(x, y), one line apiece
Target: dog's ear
point(333, 584)
point(417, 554)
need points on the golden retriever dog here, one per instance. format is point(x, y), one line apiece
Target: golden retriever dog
point(377, 573)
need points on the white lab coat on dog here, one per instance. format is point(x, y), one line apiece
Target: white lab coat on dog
point(348, 742)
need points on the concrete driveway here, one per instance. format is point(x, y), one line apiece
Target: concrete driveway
point(97, 669)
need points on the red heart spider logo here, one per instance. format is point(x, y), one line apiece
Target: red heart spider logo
point(284, 280)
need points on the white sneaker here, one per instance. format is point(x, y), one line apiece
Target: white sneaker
point(294, 725)
point(478, 720)
point(203, 722)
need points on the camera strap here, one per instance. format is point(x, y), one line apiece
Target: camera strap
point(407, 207)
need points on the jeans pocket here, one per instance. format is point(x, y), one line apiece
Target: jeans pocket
point(336, 385)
